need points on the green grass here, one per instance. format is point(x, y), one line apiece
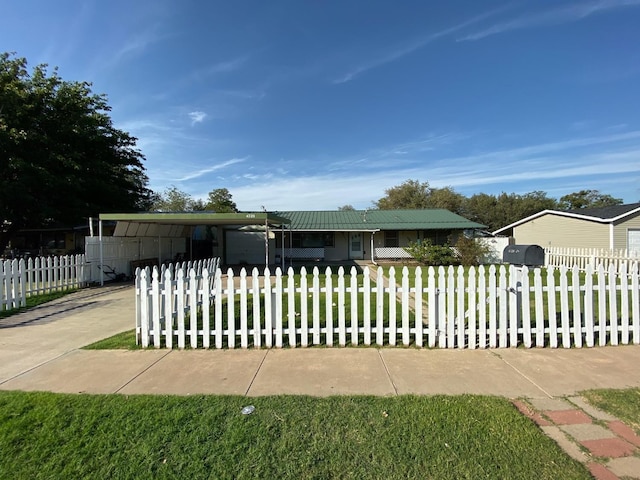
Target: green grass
point(119, 341)
point(44, 435)
point(624, 404)
point(35, 300)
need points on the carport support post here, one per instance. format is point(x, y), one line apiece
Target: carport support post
point(282, 246)
point(266, 242)
point(101, 252)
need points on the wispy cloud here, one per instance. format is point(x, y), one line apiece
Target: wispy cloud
point(133, 46)
point(410, 47)
point(197, 117)
point(212, 168)
point(556, 16)
point(555, 167)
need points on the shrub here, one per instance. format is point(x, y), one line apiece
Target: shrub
point(426, 253)
point(471, 252)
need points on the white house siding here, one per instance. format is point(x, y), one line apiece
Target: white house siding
point(621, 231)
point(340, 250)
point(559, 231)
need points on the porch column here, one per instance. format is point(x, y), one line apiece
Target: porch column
point(373, 257)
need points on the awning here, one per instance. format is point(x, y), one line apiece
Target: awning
point(175, 224)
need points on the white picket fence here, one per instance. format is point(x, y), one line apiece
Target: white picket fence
point(593, 257)
point(448, 308)
point(20, 278)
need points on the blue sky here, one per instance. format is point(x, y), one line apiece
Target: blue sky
point(314, 104)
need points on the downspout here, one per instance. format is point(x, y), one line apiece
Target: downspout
point(373, 257)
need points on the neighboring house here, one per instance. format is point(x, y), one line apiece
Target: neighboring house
point(366, 234)
point(616, 227)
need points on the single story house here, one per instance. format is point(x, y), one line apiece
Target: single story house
point(259, 238)
point(366, 234)
point(616, 227)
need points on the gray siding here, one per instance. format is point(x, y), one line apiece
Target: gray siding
point(557, 231)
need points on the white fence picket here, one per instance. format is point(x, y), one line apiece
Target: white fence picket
point(463, 309)
point(20, 278)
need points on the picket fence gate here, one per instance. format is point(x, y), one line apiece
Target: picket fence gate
point(482, 308)
point(20, 278)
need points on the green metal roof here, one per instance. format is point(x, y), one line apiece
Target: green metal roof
point(197, 218)
point(373, 220)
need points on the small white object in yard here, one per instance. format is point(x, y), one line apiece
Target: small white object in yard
point(248, 410)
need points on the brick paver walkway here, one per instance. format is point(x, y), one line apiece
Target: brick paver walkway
point(609, 448)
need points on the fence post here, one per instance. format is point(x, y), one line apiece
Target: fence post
point(329, 306)
point(155, 308)
point(291, 307)
point(393, 327)
point(23, 285)
point(304, 308)
point(144, 310)
point(342, 327)
point(577, 310)
point(366, 286)
point(419, 323)
point(406, 335)
point(354, 306)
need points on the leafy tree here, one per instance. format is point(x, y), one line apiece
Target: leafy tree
point(61, 158)
point(175, 200)
point(411, 194)
point(220, 201)
point(587, 199)
point(504, 209)
point(346, 208)
point(448, 199)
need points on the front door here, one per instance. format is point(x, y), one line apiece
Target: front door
point(355, 246)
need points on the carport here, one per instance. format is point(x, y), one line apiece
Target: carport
point(179, 225)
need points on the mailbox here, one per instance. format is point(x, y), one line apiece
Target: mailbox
point(529, 255)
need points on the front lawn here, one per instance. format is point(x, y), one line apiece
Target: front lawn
point(45, 435)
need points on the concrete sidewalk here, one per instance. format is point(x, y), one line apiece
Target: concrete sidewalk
point(41, 350)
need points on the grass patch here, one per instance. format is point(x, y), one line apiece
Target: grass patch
point(624, 404)
point(45, 435)
point(35, 300)
point(119, 341)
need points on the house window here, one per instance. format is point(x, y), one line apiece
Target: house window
point(312, 239)
point(391, 238)
point(437, 237)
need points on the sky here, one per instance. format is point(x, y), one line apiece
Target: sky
point(317, 104)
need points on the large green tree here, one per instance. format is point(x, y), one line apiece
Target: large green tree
point(175, 200)
point(220, 201)
point(587, 199)
point(411, 194)
point(61, 158)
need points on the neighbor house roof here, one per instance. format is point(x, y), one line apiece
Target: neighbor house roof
point(374, 220)
point(600, 215)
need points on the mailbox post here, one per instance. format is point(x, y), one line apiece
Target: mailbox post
point(522, 256)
